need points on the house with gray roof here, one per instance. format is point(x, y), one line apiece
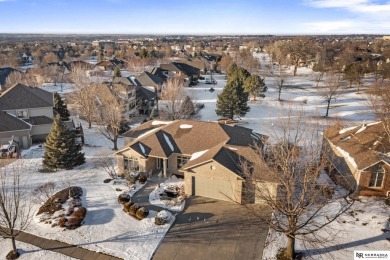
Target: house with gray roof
point(30, 105)
point(208, 155)
point(15, 130)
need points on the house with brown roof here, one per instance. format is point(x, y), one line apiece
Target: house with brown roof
point(359, 158)
point(33, 106)
point(207, 155)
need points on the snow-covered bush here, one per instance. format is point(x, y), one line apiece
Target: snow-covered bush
point(126, 206)
point(162, 217)
point(133, 210)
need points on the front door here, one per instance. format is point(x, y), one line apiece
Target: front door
point(159, 163)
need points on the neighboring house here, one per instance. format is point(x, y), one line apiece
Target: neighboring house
point(138, 100)
point(4, 73)
point(80, 64)
point(148, 79)
point(189, 73)
point(109, 64)
point(207, 155)
point(31, 105)
point(359, 158)
point(198, 62)
point(14, 129)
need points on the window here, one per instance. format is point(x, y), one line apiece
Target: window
point(22, 114)
point(131, 164)
point(181, 160)
point(377, 177)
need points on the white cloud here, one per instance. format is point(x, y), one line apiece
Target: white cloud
point(368, 16)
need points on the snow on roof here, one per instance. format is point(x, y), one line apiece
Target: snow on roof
point(197, 154)
point(344, 130)
point(361, 129)
point(157, 122)
point(168, 142)
point(148, 132)
point(142, 148)
point(347, 156)
point(232, 148)
point(185, 126)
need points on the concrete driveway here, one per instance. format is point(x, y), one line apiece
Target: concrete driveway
point(213, 229)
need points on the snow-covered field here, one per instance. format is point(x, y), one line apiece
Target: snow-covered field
point(300, 93)
point(107, 228)
point(29, 252)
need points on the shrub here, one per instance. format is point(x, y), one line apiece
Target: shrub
point(70, 211)
point(77, 219)
point(133, 210)
point(142, 213)
point(107, 180)
point(62, 221)
point(387, 202)
point(182, 198)
point(124, 198)
point(126, 206)
point(131, 180)
point(142, 179)
point(162, 217)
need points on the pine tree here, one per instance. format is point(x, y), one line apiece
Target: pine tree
point(117, 72)
point(61, 149)
point(253, 84)
point(60, 107)
point(232, 101)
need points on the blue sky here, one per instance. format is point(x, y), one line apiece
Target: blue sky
point(195, 17)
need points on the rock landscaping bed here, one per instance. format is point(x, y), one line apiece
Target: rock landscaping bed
point(169, 195)
point(64, 209)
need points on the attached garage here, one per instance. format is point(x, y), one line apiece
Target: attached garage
point(213, 180)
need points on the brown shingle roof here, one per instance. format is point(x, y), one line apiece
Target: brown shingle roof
point(366, 144)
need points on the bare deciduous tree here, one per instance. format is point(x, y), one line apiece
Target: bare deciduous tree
point(173, 93)
point(109, 165)
point(379, 101)
point(84, 98)
point(15, 206)
point(331, 89)
point(293, 164)
point(110, 114)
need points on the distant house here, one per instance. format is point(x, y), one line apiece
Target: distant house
point(139, 100)
point(4, 73)
point(109, 64)
point(359, 158)
point(207, 155)
point(198, 62)
point(148, 79)
point(33, 106)
point(80, 64)
point(187, 72)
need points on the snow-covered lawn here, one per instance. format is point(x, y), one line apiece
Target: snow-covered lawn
point(300, 92)
point(170, 184)
point(107, 228)
point(29, 252)
point(60, 88)
point(359, 228)
point(120, 186)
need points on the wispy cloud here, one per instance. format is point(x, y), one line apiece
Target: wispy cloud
point(368, 16)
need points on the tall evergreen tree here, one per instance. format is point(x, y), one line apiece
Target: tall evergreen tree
point(232, 101)
point(117, 72)
point(253, 84)
point(61, 149)
point(60, 107)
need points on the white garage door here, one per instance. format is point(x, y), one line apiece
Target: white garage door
point(217, 189)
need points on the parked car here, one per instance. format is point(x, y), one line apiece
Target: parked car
point(7, 150)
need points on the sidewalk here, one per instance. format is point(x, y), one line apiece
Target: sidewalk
point(63, 248)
